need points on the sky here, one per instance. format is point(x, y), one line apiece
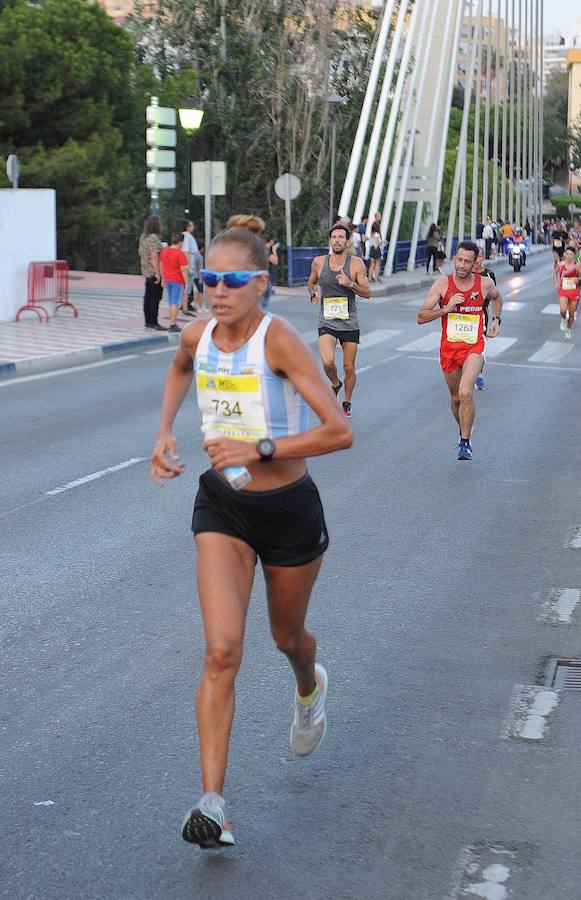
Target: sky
point(558, 18)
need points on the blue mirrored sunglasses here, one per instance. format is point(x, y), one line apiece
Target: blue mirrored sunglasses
point(236, 279)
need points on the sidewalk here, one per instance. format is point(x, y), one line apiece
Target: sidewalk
point(111, 320)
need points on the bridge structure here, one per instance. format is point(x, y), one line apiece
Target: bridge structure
point(485, 57)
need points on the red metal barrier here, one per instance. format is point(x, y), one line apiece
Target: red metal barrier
point(47, 282)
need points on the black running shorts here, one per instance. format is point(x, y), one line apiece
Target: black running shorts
point(285, 526)
point(348, 337)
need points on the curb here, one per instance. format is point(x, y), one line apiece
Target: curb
point(70, 358)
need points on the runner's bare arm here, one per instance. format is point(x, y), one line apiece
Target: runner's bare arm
point(428, 312)
point(177, 384)
point(314, 276)
point(359, 278)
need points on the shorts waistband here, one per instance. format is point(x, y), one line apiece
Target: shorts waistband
point(219, 482)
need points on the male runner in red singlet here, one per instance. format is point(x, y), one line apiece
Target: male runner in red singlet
point(567, 276)
point(461, 300)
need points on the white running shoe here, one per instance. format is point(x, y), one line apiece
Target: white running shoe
point(563, 324)
point(206, 825)
point(310, 722)
point(568, 334)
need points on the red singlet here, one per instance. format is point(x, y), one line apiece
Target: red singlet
point(569, 282)
point(462, 330)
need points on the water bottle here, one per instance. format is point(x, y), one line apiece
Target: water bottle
point(236, 476)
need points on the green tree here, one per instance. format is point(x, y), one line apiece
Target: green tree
point(71, 107)
point(556, 137)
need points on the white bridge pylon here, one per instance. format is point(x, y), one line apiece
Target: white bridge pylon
point(492, 50)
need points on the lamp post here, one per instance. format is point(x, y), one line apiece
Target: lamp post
point(572, 168)
point(191, 115)
point(333, 100)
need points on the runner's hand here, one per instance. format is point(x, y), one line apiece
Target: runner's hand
point(161, 467)
point(493, 329)
point(224, 452)
point(315, 297)
point(453, 302)
point(342, 279)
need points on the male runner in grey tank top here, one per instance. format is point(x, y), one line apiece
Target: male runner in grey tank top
point(335, 282)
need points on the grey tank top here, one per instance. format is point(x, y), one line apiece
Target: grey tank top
point(332, 314)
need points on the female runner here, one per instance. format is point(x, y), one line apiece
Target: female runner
point(567, 284)
point(256, 382)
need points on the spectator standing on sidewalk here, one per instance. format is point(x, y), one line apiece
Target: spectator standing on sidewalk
point(272, 246)
point(433, 238)
point(149, 249)
point(174, 272)
point(488, 235)
point(189, 247)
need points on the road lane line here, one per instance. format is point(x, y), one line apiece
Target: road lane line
point(379, 363)
point(426, 343)
point(574, 539)
point(551, 309)
point(70, 370)
point(530, 708)
point(377, 337)
point(552, 352)
point(559, 608)
point(94, 475)
point(496, 346)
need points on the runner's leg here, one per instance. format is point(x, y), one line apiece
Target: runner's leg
point(467, 411)
point(563, 309)
point(453, 382)
point(289, 590)
point(572, 304)
point(327, 345)
point(225, 572)
point(349, 354)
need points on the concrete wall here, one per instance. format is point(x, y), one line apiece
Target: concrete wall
point(27, 234)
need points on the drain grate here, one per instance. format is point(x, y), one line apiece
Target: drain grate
point(564, 674)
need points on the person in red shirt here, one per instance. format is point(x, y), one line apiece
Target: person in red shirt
point(567, 283)
point(461, 299)
point(173, 263)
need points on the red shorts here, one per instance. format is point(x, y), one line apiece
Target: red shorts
point(453, 357)
point(572, 296)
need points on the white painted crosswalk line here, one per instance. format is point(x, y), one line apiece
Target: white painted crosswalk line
point(551, 309)
point(377, 337)
point(428, 342)
point(552, 352)
point(496, 346)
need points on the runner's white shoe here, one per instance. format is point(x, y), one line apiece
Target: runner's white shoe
point(563, 324)
point(206, 824)
point(310, 723)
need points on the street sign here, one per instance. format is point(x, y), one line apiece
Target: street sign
point(209, 177)
point(160, 159)
point(287, 186)
point(13, 170)
point(160, 115)
point(161, 181)
point(160, 137)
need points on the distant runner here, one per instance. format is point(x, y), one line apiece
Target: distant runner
point(461, 298)
point(567, 284)
point(481, 269)
point(335, 283)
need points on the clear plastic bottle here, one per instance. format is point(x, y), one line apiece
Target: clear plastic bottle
point(236, 476)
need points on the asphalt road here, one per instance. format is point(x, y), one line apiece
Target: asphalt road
point(429, 613)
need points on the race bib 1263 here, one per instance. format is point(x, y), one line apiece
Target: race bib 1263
point(462, 328)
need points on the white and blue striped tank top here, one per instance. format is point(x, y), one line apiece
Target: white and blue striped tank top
point(239, 396)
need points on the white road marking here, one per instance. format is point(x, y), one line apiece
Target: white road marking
point(379, 363)
point(574, 540)
point(482, 871)
point(551, 309)
point(426, 343)
point(530, 708)
point(512, 306)
point(560, 606)
point(94, 475)
point(70, 370)
point(377, 337)
point(496, 346)
point(552, 352)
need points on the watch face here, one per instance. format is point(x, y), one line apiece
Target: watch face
point(266, 447)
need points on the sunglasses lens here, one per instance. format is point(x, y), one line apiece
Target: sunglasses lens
point(209, 279)
point(236, 279)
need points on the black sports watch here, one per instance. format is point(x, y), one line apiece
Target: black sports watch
point(265, 449)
